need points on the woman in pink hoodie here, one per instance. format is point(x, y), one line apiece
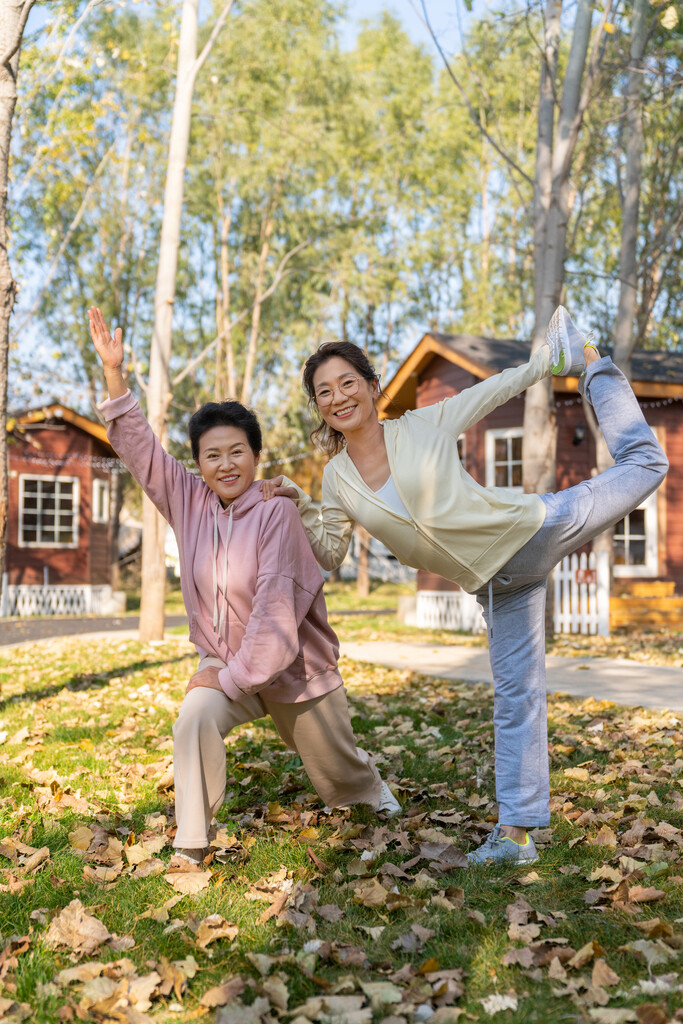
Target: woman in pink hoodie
point(253, 594)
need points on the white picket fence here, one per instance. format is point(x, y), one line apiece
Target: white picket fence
point(449, 609)
point(581, 586)
point(582, 594)
point(25, 600)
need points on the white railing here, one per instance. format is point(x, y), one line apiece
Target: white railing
point(449, 609)
point(582, 594)
point(25, 600)
point(581, 585)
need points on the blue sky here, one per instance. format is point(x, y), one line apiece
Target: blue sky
point(442, 15)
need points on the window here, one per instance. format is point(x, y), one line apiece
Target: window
point(635, 541)
point(48, 512)
point(100, 501)
point(504, 458)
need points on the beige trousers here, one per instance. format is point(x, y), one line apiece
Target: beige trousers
point(319, 730)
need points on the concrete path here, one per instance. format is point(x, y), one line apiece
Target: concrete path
point(21, 631)
point(617, 679)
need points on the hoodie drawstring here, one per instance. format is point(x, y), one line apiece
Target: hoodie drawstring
point(219, 620)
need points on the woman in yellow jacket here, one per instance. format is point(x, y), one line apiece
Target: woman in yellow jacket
point(403, 481)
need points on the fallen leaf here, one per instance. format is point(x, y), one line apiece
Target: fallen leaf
point(189, 882)
point(497, 1003)
point(606, 1015)
point(639, 894)
point(81, 838)
point(371, 894)
point(603, 976)
point(330, 912)
point(605, 837)
point(586, 954)
point(224, 993)
point(76, 929)
point(212, 928)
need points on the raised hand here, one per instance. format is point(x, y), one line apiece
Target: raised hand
point(269, 488)
point(110, 350)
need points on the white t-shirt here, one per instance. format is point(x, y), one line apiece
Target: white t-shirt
point(390, 495)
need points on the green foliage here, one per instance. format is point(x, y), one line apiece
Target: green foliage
point(353, 180)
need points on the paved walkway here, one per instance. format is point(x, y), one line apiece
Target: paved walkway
point(617, 679)
point(21, 631)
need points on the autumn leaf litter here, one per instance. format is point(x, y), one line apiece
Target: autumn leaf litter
point(302, 916)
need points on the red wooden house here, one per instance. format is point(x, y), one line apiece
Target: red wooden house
point(649, 542)
point(60, 546)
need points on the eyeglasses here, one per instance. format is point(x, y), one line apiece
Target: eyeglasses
point(348, 387)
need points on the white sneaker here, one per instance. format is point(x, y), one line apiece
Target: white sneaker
point(566, 343)
point(389, 805)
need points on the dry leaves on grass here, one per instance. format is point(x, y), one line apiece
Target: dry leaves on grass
point(77, 930)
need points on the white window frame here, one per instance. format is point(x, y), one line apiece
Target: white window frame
point(100, 499)
point(73, 543)
point(651, 565)
point(507, 433)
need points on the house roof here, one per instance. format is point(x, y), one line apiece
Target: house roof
point(655, 374)
point(55, 410)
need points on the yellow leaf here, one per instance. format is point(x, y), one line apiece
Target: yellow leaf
point(609, 27)
point(669, 18)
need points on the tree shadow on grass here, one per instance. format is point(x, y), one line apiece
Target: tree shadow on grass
point(91, 680)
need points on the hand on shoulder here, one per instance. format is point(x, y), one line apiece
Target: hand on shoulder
point(274, 488)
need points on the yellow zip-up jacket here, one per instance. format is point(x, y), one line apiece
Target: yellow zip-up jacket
point(457, 528)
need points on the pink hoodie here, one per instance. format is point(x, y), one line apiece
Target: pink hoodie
point(251, 586)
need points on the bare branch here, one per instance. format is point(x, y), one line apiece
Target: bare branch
point(472, 112)
point(23, 18)
point(205, 351)
point(593, 66)
point(279, 274)
point(67, 42)
point(65, 241)
point(198, 64)
point(136, 369)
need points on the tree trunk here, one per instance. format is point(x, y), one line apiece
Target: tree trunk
point(538, 460)
point(624, 334)
point(115, 506)
point(158, 389)
point(158, 397)
point(624, 337)
point(267, 227)
point(12, 21)
point(363, 577)
point(225, 359)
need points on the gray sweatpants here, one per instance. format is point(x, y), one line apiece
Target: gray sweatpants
point(513, 602)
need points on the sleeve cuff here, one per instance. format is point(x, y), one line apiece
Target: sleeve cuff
point(230, 689)
point(113, 407)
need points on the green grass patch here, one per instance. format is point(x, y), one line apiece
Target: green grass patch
point(595, 925)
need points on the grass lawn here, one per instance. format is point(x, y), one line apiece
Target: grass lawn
point(306, 917)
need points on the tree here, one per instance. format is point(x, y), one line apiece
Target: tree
point(158, 397)
point(13, 17)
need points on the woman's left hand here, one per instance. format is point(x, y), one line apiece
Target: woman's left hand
point(206, 677)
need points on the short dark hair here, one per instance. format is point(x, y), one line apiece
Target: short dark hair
point(324, 436)
point(224, 414)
